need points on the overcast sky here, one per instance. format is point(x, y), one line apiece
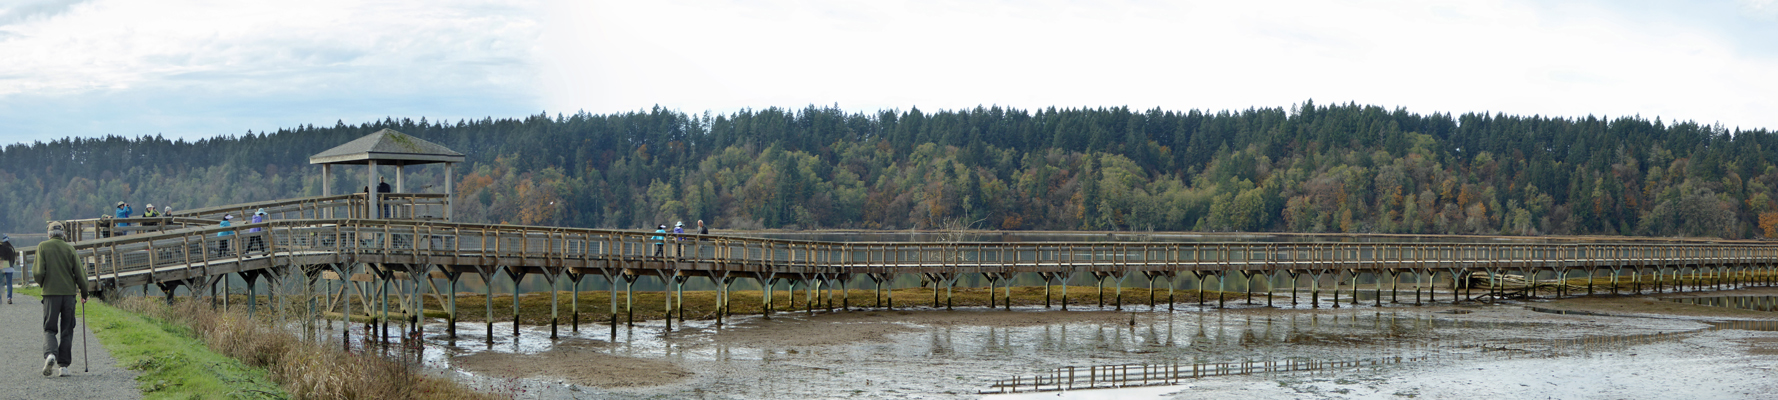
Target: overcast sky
point(195, 69)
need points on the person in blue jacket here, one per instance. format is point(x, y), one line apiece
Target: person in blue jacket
point(660, 241)
point(222, 242)
point(123, 211)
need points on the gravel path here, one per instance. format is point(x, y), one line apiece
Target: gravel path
point(21, 361)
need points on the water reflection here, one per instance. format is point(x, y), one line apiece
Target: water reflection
point(994, 348)
point(1755, 303)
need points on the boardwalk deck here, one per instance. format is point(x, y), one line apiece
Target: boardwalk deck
point(195, 256)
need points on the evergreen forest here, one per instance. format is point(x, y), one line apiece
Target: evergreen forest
point(1306, 168)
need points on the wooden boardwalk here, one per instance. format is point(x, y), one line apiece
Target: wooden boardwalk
point(298, 248)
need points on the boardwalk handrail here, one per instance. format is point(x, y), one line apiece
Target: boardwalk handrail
point(350, 205)
point(194, 251)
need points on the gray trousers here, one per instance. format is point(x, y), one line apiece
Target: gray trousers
point(58, 327)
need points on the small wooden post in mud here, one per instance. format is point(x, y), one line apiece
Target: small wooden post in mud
point(488, 288)
point(382, 277)
point(1119, 292)
point(345, 313)
point(1271, 280)
point(1394, 287)
point(1456, 275)
point(252, 295)
point(1065, 280)
point(1007, 290)
point(1150, 276)
point(574, 299)
point(555, 302)
point(451, 303)
point(888, 296)
point(1101, 278)
point(877, 291)
point(1170, 285)
point(950, 282)
point(721, 296)
point(790, 293)
point(1201, 276)
point(1315, 289)
point(1376, 289)
point(1046, 287)
point(1222, 289)
point(1295, 281)
point(629, 299)
point(1590, 278)
point(1418, 276)
point(1247, 280)
point(611, 288)
point(766, 300)
point(667, 282)
point(518, 277)
point(991, 286)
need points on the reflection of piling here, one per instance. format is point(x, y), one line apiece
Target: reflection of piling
point(1391, 351)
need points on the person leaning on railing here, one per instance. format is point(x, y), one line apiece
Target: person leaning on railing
point(151, 213)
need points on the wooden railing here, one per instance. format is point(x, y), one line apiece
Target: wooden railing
point(352, 205)
point(554, 249)
point(424, 206)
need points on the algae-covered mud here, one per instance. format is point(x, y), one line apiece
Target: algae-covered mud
point(1600, 347)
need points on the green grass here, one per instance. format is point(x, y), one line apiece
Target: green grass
point(171, 363)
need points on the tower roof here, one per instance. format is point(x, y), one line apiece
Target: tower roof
point(387, 146)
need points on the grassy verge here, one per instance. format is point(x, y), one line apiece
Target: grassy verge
point(172, 363)
point(306, 370)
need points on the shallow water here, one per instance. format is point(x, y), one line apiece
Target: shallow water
point(943, 354)
point(975, 352)
point(1755, 303)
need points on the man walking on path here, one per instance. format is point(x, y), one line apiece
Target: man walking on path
point(61, 277)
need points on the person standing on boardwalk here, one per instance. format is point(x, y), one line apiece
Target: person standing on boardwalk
point(222, 237)
point(150, 213)
point(679, 228)
point(123, 211)
point(660, 241)
point(254, 240)
point(383, 189)
point(10, 256)
point(62, 278)
point(703, 230)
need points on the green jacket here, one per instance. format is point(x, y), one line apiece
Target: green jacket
point(58, 271)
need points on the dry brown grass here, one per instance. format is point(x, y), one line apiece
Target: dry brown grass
point(307, 370)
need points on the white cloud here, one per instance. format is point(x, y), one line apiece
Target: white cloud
point(199, 68)
point(1452, 56)
point(310, 53)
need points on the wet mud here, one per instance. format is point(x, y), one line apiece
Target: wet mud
point(1632, 346)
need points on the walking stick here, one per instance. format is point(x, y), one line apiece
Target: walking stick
point(83, 364)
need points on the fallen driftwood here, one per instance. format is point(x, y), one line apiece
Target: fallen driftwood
point(1503, 286)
